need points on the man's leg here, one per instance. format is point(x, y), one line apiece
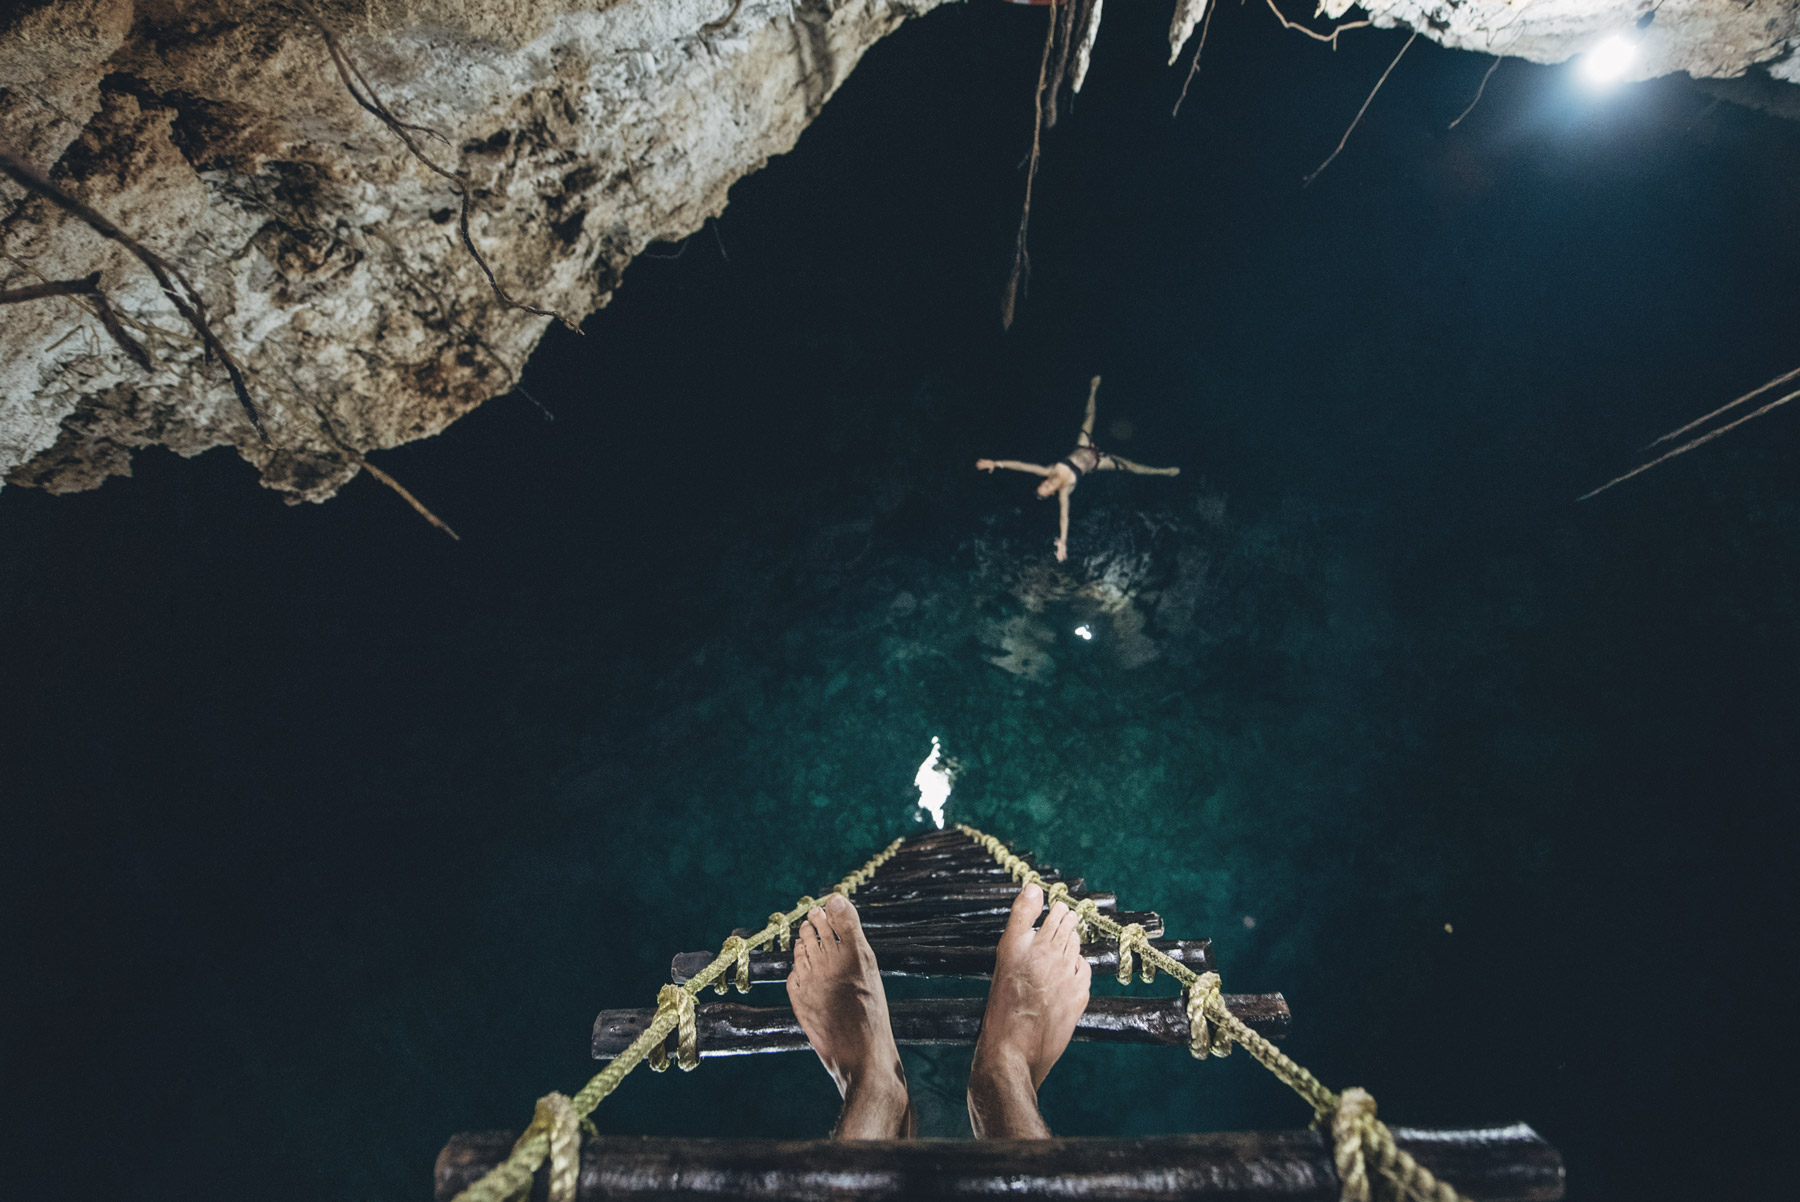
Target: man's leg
point(836, 993)
point(1040, 988)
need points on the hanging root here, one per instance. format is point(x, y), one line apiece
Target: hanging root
point(418, 505)
point(329, 429)
point(186, 298)
point(1194, 67)
point(1065, 37)
point(89, 290)
point(1330, 38)
point(1478, 91)
point(1777, 382)
point(1084, 49)
point(1709, 435)
point(1307, 182)
point(364, 94)
point(1021, 268)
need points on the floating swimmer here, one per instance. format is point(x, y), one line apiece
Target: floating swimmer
point(1061, 477)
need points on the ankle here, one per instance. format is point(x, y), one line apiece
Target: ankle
point(1000, 1069)
point(883, 1078)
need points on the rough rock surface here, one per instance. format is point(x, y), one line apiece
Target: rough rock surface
point(218, 132)
point(1708, 39)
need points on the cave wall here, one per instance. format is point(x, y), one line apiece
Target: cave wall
point(219, 132)
point(1708, 39)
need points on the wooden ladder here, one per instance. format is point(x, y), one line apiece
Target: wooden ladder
point(936, 909)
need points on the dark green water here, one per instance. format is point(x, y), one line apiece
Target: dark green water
point(327, 837)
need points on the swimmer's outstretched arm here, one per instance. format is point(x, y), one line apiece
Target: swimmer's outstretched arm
point(1011, 465)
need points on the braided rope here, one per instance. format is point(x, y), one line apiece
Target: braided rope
point(1406, 1177)
point(513, 1176)
point(736, 947)
point(676, 1001)
point(560, 1125)
point(1132, 936)
point(1349, 1130)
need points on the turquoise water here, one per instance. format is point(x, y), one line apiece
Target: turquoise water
point(328, 837)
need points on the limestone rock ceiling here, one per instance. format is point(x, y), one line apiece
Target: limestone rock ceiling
point(219, 134)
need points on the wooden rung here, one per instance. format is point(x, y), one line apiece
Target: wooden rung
point(924, 960)
point(903, 891)
point(881, 926)
point(729, 1029)
point(957, 905)
point(1493, 1164)
point(981, 928)
point(983, 869)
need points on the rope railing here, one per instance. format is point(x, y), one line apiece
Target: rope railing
point(1369, 1163)
point(548, 1135)
point(1363, 1146)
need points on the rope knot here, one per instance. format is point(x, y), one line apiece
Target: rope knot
point(1132, 939)
point(1059, 892)
point(1086, 910)
point(1352, 1123)
point(737, 947)
point(673, 999)
point(557, 1121)
point(1204, 1039)
point(783, 935)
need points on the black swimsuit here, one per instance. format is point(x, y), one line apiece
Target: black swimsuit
point(1084, 459)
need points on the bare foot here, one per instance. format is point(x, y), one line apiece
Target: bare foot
point(835, 989)
point(1040, 989)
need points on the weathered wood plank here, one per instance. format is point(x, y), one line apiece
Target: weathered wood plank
point(729, 1029)
point(957, 905)
point(1494, 1164)
point(875, 890)
point(924, 960)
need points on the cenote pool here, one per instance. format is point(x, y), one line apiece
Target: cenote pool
point(328, 836)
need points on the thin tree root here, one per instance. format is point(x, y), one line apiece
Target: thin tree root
point(1021, 268)
point(186, 298)
point(1065, 34)
point(1330, 38)
point(88, 289)
point(1777, 382)
point(418, 506)
point(328, 428)
point(1194, 67)
point(1690, 445)
point(365, 95)
point(1478, 91)
point(1307, 182)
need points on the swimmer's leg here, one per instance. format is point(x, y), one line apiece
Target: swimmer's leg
point(1119, 463)
point(1086, 437)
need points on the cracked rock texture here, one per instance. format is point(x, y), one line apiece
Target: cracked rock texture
point(218, 132)
point(1708, 39)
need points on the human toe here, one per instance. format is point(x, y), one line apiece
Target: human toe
point(842, 916)
point(1025, 909)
